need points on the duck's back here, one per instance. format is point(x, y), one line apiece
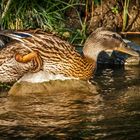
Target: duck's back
point(58, 56)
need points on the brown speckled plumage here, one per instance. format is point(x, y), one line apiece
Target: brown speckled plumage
point(59, 57)
point(56, 55)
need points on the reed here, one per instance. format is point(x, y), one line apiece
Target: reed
point(125, 14)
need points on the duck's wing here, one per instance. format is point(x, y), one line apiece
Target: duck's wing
point(7, 37)
point(10, 36)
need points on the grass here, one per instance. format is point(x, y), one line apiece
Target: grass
point(45, 14)
point(49, 15)
point(125, 14)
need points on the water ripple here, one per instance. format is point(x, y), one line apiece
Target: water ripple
point(107, 110)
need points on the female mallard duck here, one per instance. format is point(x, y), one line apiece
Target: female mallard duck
point(34, 51)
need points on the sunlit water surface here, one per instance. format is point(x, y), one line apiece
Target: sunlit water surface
point(107, 108)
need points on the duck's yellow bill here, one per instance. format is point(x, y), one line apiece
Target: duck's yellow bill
point(127, 50)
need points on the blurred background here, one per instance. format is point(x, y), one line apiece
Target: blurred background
point(71, 19)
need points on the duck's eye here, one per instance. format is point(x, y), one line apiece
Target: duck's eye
point(116, 37)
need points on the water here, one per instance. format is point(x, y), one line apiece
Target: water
point(134, 38)
point(107, 108)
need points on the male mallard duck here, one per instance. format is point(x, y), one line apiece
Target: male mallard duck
point(33, 51)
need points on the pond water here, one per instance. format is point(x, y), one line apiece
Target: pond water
point(107, 108)
point(134, 38)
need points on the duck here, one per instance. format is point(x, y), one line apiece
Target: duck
point(32, 51)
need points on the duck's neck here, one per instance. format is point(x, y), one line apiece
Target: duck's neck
point(92, 54)
point(93, 47)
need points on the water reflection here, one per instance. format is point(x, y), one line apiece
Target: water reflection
point(134, 38)
point(108, 109)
